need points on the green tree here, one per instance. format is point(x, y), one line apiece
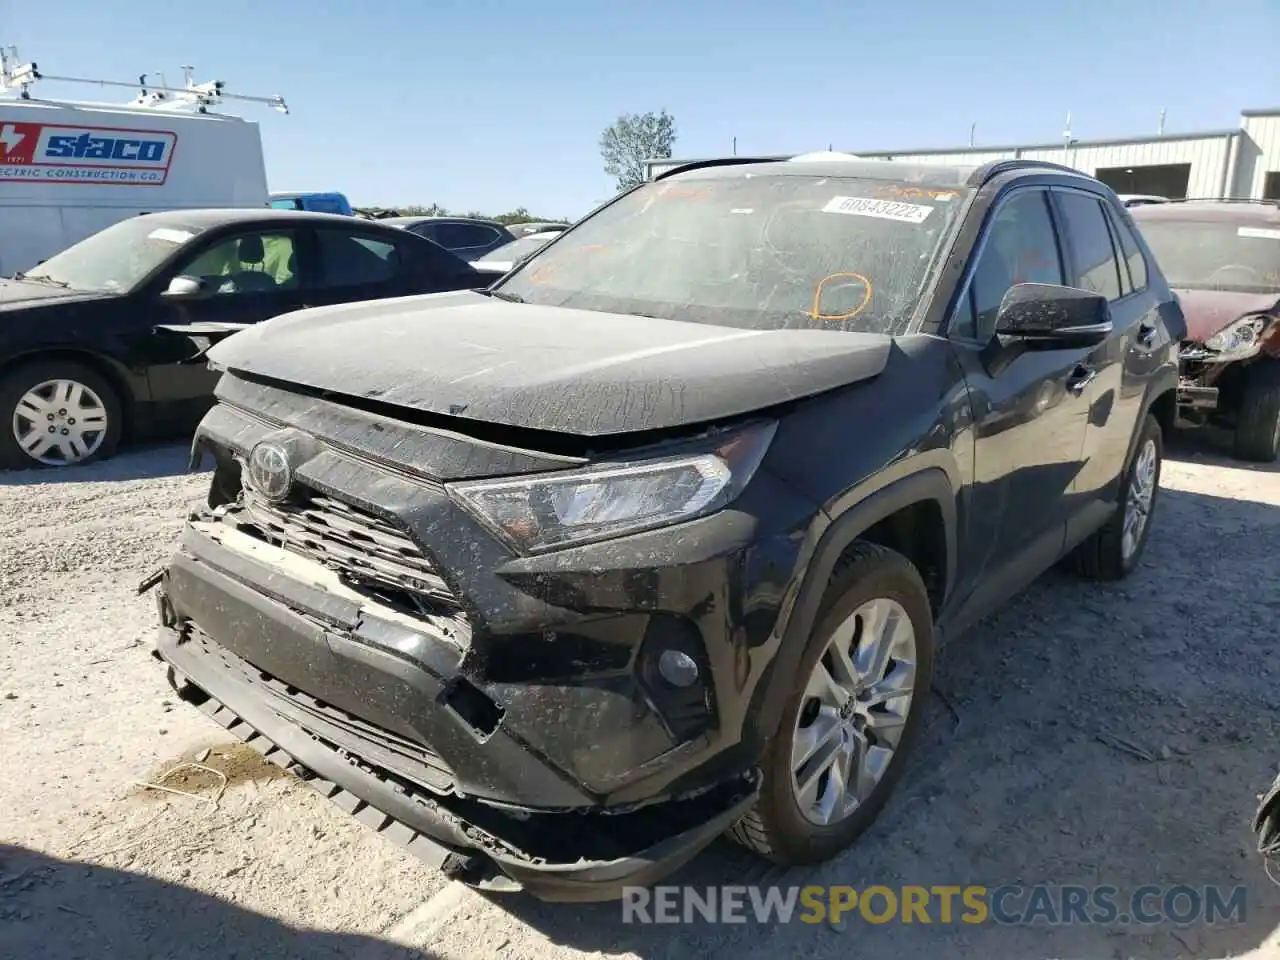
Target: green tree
point(631, 140)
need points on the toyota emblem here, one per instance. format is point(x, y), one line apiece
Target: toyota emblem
point(270, 473)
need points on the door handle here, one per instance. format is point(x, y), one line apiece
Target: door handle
point(1080, 378)
point(1146, 334)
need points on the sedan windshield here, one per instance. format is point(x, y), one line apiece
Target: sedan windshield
point(751, 251)
point(116, 259)
point(1205, 255)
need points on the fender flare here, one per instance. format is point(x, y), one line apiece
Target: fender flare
point(932, 483)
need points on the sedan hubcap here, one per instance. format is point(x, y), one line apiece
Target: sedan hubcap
point(855, 708)
point(1142, 491)
point(60, 422)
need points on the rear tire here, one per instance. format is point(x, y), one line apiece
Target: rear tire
point(785, 823)
point(53, 402)
point(1109, 553)
point(1257, 438)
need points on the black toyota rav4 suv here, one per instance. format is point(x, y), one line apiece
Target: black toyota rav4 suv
point(656, 538)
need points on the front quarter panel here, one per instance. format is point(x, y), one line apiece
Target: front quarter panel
point(100, 330)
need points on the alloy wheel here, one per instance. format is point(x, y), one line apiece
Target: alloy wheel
point(1141, 496)
point(60, 422)
point(855, 708)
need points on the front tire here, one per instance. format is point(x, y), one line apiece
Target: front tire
point(1257, 437)
point(57, 413)
point(848, 727)
point(1113, 551)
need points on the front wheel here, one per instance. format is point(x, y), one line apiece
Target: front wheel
point(57, 413)
point(851, 721)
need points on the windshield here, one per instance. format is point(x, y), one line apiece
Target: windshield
point(1205, 255)
point(116, 259)
point(754, 251)
point(513, 251)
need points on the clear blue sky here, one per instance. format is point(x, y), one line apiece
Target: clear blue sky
point(494, 104)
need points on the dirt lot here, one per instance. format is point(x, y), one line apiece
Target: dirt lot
point(1011, 786)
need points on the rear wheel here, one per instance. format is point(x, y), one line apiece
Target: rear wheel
point(1113, 551)
point(849, 725)
point(1257, 436)
point(57, 413)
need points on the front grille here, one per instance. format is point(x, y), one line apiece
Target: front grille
point(364, 549)
point(407, 758)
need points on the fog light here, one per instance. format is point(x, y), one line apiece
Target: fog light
point(677, 668)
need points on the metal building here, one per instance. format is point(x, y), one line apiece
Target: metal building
point(1242, 162)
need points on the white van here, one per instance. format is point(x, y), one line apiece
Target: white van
point(68, 170)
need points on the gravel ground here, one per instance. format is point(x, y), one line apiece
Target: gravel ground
point(1011, 785)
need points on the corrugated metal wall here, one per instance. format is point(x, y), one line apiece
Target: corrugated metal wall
point(1260, 156)
point(1221, 164)
point(1207, 156)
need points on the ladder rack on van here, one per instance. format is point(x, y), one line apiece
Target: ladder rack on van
point(191, 97)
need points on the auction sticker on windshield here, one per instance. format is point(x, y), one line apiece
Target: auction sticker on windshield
point(1258, 233)
point(882, 209)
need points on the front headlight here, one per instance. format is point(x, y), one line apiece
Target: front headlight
point(567, 508)
point(1239, 341)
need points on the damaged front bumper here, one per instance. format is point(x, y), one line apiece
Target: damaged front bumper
point(366, 703)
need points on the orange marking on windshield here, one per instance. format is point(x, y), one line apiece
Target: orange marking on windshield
point(817, 314)
point(920, 193)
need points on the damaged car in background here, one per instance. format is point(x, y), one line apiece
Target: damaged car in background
point(1222, 258)
point(654, 539)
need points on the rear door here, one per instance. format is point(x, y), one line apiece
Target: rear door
point(1029, 414)
point(1119, 369)
point(250, 276)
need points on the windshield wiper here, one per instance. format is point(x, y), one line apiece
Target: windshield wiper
point(508, 297)
point(30, 279)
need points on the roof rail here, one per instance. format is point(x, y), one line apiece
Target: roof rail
point(718, 162)
point(1268, 200)
point(994, 168)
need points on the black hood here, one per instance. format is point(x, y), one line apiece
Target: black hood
point(579, 372)
point(16, 294)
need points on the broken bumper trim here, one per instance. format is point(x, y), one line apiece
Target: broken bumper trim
point(1197, 398)
point(438, 838)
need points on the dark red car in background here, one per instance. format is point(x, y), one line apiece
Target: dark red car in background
point(1222, 258)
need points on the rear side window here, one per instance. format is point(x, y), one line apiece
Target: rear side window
point(460, 236)
point(1093, 263)
point(353, 261)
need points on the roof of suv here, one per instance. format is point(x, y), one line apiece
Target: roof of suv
point(932, 174)
point(1261, 212)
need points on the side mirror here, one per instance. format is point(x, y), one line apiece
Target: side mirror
point(184, 288)
point(1049, 316)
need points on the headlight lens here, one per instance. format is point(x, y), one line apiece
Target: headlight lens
point(545, 511)
point(1240, 339)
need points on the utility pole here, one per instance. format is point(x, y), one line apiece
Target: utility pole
point(973, 132)
point(1160, 127)
point(735, 146)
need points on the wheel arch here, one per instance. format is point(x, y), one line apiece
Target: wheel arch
point(114, 372)
point(915, 515)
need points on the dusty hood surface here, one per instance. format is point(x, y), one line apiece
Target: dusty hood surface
point(547, 368)
point(1208, 311)
point(16, 294)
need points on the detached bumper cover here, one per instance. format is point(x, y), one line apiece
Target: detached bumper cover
point(253, 638)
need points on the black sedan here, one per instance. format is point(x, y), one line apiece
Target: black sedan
point(107, 338)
